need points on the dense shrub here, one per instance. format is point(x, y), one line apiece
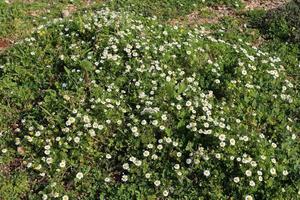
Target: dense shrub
point(282, 23)
point(115, 106)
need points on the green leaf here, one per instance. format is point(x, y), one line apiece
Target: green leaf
point(86, 65)
point(67, 70)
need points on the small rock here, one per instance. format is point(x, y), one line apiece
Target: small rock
point(21, 150)
point(65, 13)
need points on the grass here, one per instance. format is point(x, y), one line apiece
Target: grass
point(20, 17)
point(114, 105)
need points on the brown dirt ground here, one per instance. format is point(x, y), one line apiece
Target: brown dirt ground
point(195, 18)
point(263, 4)
point(218, 12)
point(4, 43)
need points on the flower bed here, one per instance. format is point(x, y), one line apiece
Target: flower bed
point(115, 106)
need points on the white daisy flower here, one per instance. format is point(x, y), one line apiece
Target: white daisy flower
point(79, 175)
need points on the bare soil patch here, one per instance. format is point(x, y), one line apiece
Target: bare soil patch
point(69, 10)
point(263, 4)
point(210, 15)
point(4, 43)
point(216, 13)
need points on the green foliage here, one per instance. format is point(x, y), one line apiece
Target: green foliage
point(166, 9)
point(282, 23)
point(18, 17)
point(15, 187)
point(112, 105)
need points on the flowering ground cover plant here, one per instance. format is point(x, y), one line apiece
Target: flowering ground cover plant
point(109, 105)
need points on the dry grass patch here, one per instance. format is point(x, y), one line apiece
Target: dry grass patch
point(208, 15)
point(5, 43)
point(263, 4)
